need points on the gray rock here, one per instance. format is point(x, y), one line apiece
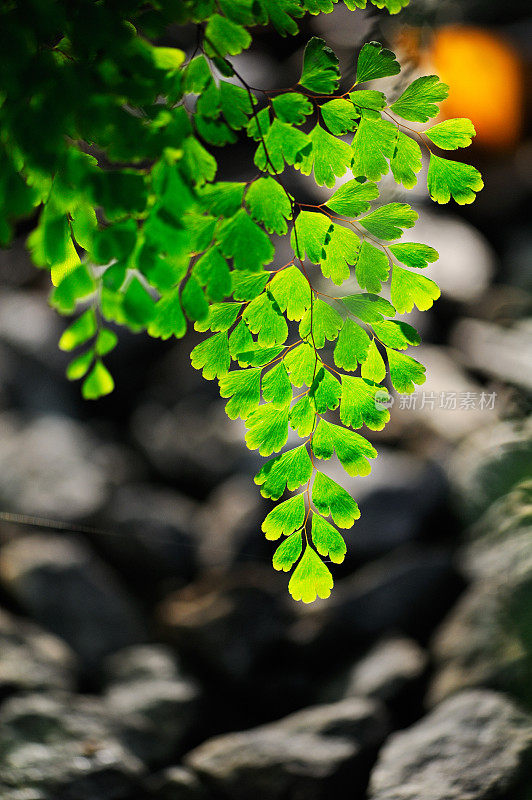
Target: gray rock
point(54, 467)
point(474, 746)
point(155, 716)
point(487, 637)
point(308, 754)
point(154, 704)
point(32, 659)
point(226, 625)
point(489, 464)
point(228, 525)
point(407, 591)
point(501, 353)
point(176, 783)
point(154, 534)
point(387, 670)
point(143, 662)
point(67, 589)
point(64, 747)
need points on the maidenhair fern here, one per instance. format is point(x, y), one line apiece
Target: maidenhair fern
point(112, 138)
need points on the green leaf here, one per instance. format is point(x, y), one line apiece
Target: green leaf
point(311, 578)
point(287, 471)
point(292, 107)
point(196, 75)
point(98, 382)
point(368, 307)
point(372, 267)
point(288, 552)
point(257, 356)
point(325, 391)
point(223, 199)
point(214, 131)
point(105, 342)
point(326, 322)
point(56, 234)
point(340, 252)
point(320, 68)
point(374, 61)
point(168, 319)
point(284, 143)
point(404, 371)
point(263, 317)
point(79, 366)
point(75, 286)
point(79, 331)
point(276, 386)
point(389, 221)
point(291, 291)
point(368, 102)
point(198, 164)
point(352, 346)
point(168, 58)
point(267, 429)
point(327, 540)
point(353, 450)
point(301, 364)
point(247, 285)
point(269, 203)
point(221, 317)
point(285, 518)
point(339, 116)
point(373, 143)
point(409, 289)
point(452, 133)
point(353, 198)
point(193, 301)
point(331, 499)
point(224, 37)
point(259, 124)
point(359, 406)
point(302, 416)
point(236, 105)
point(448, 179)
point(242, 240)
point(139, 306)
point(212, 272)
point(406, 161)
point(418, 102)
point(329, 157)
point(414, 254)
point(373, 368)
point(310, 235)
point(212, 356)
point(398, 335)
point(393, 6)
point(243, 387)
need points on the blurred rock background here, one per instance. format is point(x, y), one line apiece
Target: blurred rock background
point(147, 648)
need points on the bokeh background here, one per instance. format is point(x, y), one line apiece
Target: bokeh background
point(147, 648)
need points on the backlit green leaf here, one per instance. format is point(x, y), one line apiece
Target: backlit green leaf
point(327, 540)
point(418, 102)
point(374, 61)
point(409, 289)
point(352, 346)
point(285, 518)
point(404, 371)
point(331, 499)
point(320, 68)
point(288, 552)
point(452, 133)
point(448, 179)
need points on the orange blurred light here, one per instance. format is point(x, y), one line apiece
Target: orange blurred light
point(486, 82)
